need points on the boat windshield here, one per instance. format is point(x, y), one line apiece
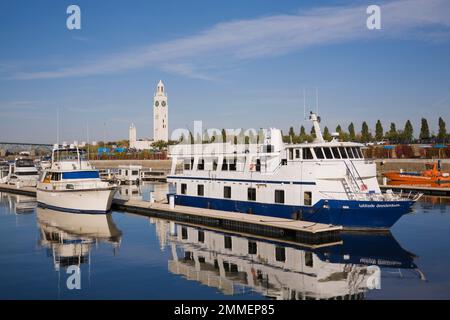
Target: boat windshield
point(21, 163)
point(68, 155)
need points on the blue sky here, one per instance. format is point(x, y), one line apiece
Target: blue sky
point(229, 63)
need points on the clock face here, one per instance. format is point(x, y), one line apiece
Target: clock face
point(156, 103)
point(163, 103)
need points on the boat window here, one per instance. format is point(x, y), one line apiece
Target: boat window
point(297, 153)
point(201, 236)
point(268, 148)
point(134, 172)
point(335, 152)
point(183, 188)
point(184, 233)
point(360, 153)
point(307, 154)
point(291, 154)
point(214, 164)
point(227, 192)
point(308, 259)
point(252, 247)
point(232, 166)
point(225, 165)
point(319, 153)
point(307, 198)
point(201, 164)
point(251, 194)
point(228, 243)
point(21, 163)
point(350, 152)
point(56, 176)
point(327, 152)
point(258, 165)
point(188, 164)
point(66, 155)
point(355, 152)
point(280, 254)
point(200, 190)
point(343, 153)
point(279, 196)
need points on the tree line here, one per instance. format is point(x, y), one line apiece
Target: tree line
point(393, 135)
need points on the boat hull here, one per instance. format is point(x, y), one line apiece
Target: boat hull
point(93, 201)
point(409, 178)
point(357, 215)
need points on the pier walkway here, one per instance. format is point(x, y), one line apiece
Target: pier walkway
point(308, 233)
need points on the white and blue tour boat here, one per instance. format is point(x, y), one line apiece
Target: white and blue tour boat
point(73, 185)
point(324, 181)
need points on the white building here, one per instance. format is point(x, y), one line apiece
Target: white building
point(160, 114)
point(138, 144)
point(160, 121)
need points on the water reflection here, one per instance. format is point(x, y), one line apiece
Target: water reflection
point(69, 237)
point(18, 204)
point(235, 264)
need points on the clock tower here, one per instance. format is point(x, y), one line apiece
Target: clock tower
point(160, 114)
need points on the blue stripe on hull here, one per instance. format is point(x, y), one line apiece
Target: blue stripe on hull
point(43, 205)
point(358, 215)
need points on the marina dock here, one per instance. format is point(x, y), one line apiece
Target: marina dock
point(308, 233)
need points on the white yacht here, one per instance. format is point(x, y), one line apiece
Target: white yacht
point(73, 185)
point(25, 173)
point(324, 181)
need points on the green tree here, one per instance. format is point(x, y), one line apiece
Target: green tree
point(291, 132)
point(351, 132)
point(160, 145)
point(378, 131)
point(224, 135)
point(365, 134)
point(326, 134)
point(442, 133)
point(338, 128)
point(392, 134)
point(424, 130)
point(313, 132)
point(302, 131)
point(407, 135)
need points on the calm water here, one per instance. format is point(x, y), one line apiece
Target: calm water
point(124, 256)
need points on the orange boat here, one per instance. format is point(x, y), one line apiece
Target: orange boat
point(432, 174)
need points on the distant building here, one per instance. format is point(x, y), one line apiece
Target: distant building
point(138, 144)
point(160, 122)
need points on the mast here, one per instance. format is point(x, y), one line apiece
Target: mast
point(315, 120)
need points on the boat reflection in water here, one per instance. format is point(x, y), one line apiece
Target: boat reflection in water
point(235, 264)
point(143, 190)
point(18, 204)
point(70, 236)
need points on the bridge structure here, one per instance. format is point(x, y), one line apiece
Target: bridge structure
point(23, 146)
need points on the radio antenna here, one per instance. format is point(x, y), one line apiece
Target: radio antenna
point(317, 100)
point(57, 125)
point(304, 104)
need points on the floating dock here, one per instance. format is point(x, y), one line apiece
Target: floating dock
point(429, 191)
point(307, 233)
